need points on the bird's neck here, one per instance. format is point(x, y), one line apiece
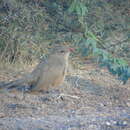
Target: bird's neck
point(60, 58)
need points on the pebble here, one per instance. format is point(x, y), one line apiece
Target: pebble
point(108, 123)
point(2, 115)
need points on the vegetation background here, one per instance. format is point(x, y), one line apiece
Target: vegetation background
point(99, 29)
point(91, 98)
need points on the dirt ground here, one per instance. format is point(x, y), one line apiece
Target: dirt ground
point(90, 99)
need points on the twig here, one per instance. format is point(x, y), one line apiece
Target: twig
point(72, 96)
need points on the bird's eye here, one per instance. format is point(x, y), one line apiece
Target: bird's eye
point(62, 51)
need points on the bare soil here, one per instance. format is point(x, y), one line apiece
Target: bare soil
point(90, 99)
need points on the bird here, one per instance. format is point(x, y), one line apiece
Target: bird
point(48, 74)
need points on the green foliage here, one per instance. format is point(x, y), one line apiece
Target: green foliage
point(89, 45)
point(27, 27)
point(78, 7)
point(116, 66)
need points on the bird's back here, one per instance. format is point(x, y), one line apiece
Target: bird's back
point(52, 73)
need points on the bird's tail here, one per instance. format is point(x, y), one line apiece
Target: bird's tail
point(20, 84)
point(11, 84)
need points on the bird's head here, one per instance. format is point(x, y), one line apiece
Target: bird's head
point(63, 50)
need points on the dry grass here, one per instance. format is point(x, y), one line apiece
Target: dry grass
point(88, 94)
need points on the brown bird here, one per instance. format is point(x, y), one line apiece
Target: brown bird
point(48, 74)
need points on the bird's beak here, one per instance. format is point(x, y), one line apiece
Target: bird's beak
point(71, 49)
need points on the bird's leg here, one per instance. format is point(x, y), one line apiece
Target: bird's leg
point(23, 94)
